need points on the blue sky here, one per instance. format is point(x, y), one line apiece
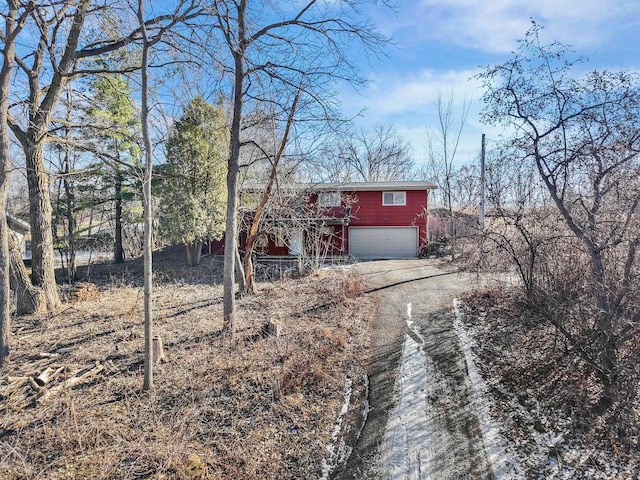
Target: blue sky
point(441, 44)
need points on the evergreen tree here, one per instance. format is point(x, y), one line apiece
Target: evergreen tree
point(117, 123)
point(192, 182)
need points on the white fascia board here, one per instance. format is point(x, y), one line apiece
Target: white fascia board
point(349, 187)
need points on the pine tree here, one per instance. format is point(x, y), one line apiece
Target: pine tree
point(192, 182)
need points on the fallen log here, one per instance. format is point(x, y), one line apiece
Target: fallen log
point(12, 389)
point(273, 327)
point(12, 380)
point(47, 355)
point(34, 385)
point(79, 377)
point(47, 375)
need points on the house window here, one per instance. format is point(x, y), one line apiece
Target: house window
point(329, 199)
point(262, 241)
point(326, 231)
point(394, 198)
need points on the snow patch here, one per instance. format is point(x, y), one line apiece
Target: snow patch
point(407, 429)
point(338, 450)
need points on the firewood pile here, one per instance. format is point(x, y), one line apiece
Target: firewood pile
point(45, 379)
point(82, 291)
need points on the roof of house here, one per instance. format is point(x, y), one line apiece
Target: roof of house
point(17, 225)
point(350, 186)
point(375, 186)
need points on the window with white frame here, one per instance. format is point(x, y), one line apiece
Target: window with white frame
point(329, 199)
point(394, 198)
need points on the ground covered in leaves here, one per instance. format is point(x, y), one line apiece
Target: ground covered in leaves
point(545, 398)
point(260, 406)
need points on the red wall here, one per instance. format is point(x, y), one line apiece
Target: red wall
point(369, 212)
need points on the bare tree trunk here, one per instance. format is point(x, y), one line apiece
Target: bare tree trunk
point(146, 189)
point(29, 299)
point(69, 197)
point(229, 304)
point(71, 219)
point(240, 275)
point(13, 24)
point(42, 254)
point(6, 72)
point(194, 252)
point(233, 174)
point(189, 253)
point(452, 220)
point(249, 287)
point(118, 250)
point(5, 293)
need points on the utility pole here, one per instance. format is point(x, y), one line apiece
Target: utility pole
point(482, 199)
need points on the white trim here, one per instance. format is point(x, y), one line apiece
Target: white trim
point(373, 186)
point(346, 187)
point(296, 241)
point(395, 196)
point(329, 198)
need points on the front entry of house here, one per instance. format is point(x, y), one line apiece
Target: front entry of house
point(383, 242)
point(296, 241)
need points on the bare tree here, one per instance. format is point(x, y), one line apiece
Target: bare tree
point(147, 175)
point(290, 51)
point(253, 231)
point(442, 150)
point(377, 155)
point(368, 155)
point(148, 202)
point(14, 19)
point(56, 55)
point(521, 222)
point(581, 135)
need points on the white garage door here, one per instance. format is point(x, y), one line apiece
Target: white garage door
point(383, 242)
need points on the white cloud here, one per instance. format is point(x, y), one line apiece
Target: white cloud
point(493, 26)
point(396, 92)
point(456, 35)
point(407, 100)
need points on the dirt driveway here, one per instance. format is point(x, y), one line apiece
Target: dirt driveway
point(421, 422)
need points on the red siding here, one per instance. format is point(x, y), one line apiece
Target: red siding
point(369, 212)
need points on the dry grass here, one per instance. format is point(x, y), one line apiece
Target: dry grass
point(530, 363)
point(258, 407)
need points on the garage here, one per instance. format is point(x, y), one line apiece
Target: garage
point(383, 242)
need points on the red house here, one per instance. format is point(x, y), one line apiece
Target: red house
point(366, 220)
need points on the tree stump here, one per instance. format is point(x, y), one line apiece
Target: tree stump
point(272, 328)
point(158, 351)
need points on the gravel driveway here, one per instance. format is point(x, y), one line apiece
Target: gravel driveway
point(421, 422)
